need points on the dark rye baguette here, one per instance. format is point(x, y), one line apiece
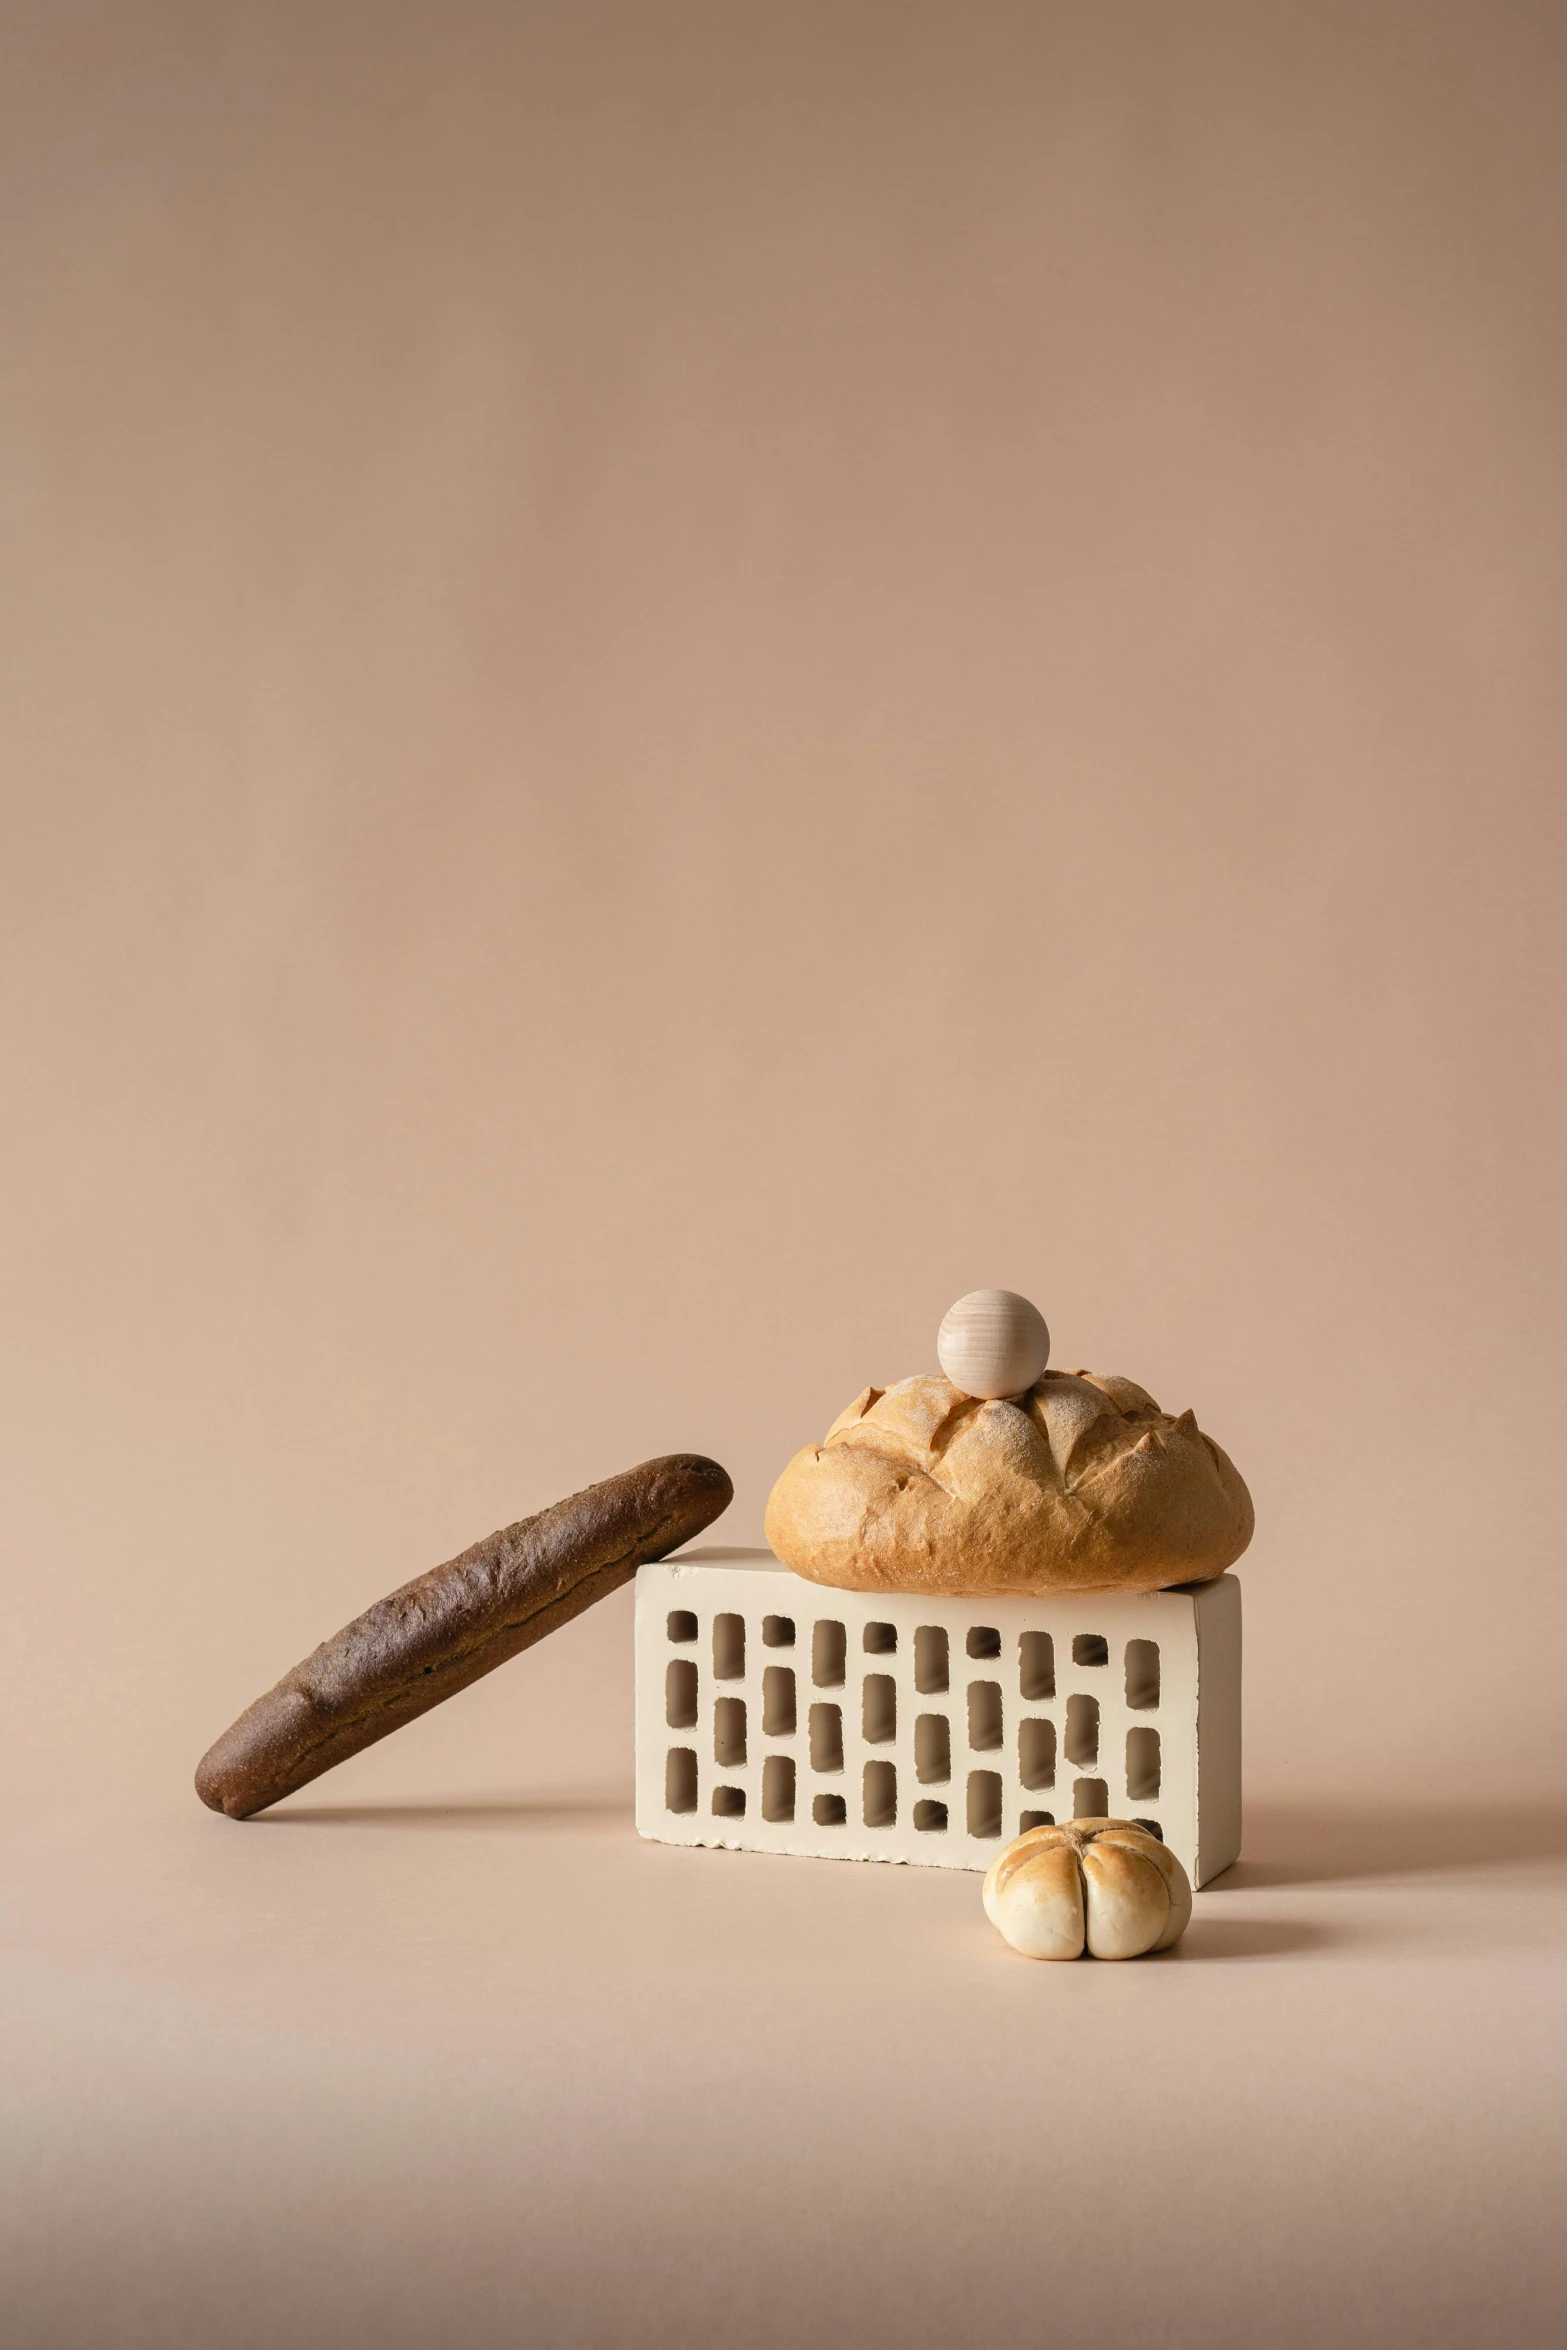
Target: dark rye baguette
point(458, 1622)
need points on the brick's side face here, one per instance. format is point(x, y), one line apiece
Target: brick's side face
point(1218, 1607)
point(777, 1715)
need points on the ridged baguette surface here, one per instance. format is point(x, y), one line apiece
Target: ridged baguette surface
point(449, 1627)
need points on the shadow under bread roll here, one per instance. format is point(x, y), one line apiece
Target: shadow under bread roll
point(456, 1623)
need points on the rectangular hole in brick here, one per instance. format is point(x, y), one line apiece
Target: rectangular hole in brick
point(930, 1815)
point(930, 1660)
point(729, 1802)
point(829, 1648)
point(729, 1648)
point(778, 1631)
point(827, 1738)
point(778, 1702)
point(1036, 1752)
point(729, 1733)
point(1090, 1800)
point(680, 1694)
point(1082, 1730)
point(680, 1779)
point(881, 1640)
point(881, 1795)
point(680, 1624)
point(1035, 1819)
point(984, 1715)
point(879, 1709)
point(1037, 1666)
point(1142, 1764)
point(1142, 1675)
point(829, 1811)
point(984, 1803)
point(778, 1787)
point(984, 1640)
point(1090, 1648)
point(932, 1749)
point(1152, 1827)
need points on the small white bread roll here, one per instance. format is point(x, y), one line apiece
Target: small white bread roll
point(1101, 1885)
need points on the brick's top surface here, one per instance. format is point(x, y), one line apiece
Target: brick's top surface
point(716, 1555)
point(708, 1556)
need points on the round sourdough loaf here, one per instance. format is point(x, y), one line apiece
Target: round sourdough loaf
point(1081, 1484)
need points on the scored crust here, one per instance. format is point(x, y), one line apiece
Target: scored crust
point(1104, 1885)
point(1082, 1484)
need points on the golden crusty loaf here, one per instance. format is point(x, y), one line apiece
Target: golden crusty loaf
point(1081, 1484)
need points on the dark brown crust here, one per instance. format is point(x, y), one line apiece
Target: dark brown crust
point(425, 1642)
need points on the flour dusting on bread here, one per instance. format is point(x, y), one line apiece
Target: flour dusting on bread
point(1080, 1484)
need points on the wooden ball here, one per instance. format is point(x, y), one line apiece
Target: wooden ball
point(993, 1343)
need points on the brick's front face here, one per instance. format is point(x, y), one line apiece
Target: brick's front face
point(780, 1716)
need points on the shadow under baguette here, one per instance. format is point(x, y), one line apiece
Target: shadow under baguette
point(495, 1814)
point(1308, 1843)
point(1325, 1842)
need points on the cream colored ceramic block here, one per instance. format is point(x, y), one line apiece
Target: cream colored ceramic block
point(776, 1715)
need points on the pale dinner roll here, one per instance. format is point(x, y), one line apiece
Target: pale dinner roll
point(1106, 1886)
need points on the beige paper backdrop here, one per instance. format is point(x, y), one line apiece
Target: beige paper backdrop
point(679, 679)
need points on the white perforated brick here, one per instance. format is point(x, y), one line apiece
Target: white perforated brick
point(777, 1715)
